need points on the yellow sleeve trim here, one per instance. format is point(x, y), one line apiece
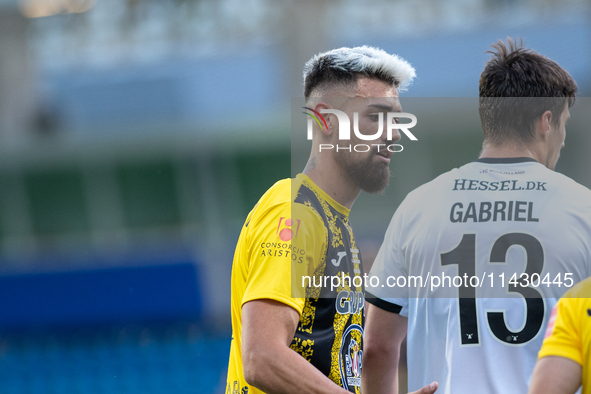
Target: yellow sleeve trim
point(559, 351)
point(295, 303)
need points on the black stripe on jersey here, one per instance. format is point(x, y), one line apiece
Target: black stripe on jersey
point(502, 160)
point(324, 336)
point(306, 195)
point(385, 305)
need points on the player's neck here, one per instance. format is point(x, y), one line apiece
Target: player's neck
point(509, 150)
point(329, 177)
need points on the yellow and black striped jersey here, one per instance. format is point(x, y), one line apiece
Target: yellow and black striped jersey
point(293, 243)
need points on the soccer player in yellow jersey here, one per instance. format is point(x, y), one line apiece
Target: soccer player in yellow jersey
point(314, 344)
point(565, 358)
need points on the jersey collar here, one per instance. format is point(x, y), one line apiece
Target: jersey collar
point(336, 205)
point(504, 160)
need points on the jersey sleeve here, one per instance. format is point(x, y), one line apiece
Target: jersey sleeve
point(389, 265)
point(563, 336)
point(280, 241)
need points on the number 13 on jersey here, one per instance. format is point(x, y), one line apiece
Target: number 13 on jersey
point(464, 256)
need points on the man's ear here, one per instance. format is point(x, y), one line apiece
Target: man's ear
point(544, 123)
point(331, 120)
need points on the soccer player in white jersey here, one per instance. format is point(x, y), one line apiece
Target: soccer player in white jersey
point(506, 213)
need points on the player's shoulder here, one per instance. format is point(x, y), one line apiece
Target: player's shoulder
point(433, 187)
point(576, 301)
point(580, 290)
point(569, 194)
point(279, 200)
point(568, 184)
point(276, 197)
point(280, 192)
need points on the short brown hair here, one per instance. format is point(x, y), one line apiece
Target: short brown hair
point(511, 78)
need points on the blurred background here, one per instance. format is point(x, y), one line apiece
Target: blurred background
point(136, 135)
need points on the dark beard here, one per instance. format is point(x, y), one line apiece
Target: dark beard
point(369, 176)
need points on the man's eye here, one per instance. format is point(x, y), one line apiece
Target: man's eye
point(374, 117)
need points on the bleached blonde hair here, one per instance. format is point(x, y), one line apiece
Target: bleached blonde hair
point(344, 65)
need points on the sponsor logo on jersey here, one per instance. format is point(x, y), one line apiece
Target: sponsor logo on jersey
point(353, 360)
point(355, 259)
point(506, 185)
point(286, 232)
point(349, 302)
point(351, 356)
point(282, 249)
point(232, 387)
point(340, 256)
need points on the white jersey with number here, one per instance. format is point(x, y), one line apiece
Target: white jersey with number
point(495, 243)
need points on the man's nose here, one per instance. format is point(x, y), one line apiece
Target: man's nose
point(394, 135)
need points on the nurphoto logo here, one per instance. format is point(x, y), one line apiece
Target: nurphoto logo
point(392, 119)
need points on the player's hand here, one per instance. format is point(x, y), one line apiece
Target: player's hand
point(430, 389)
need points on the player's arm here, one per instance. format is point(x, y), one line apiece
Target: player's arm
point(556, 375)
point(384, 333)
point(270, 365)
point(559, 370)
point(269, 311)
